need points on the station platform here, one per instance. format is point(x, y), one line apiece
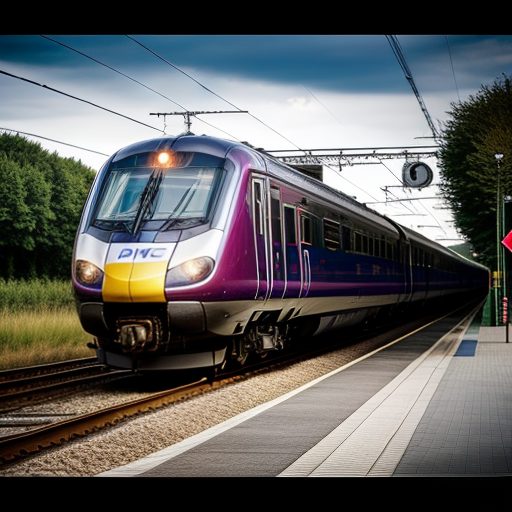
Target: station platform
point(437, 402)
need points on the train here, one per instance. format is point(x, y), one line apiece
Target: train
point(197, 252)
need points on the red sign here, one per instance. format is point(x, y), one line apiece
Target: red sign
point(507, 241)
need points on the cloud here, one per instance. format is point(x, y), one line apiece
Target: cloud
point(359, 95)
point(351, 63)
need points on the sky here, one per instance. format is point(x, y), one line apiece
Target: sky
point(315, 91)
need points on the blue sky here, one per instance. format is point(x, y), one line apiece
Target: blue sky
point(318, 91)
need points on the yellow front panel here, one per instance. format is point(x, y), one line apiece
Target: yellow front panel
point(147, 282)
point(116, 282)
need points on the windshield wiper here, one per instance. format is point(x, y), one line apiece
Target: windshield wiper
point(111, 224)
point(172, 219)
point(185, 222)
point(146, 198)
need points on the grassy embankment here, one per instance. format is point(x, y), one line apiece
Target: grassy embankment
point(39, 324)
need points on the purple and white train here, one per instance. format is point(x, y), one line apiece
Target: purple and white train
point(193, 251)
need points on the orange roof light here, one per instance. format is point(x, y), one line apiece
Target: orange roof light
point(164, 158)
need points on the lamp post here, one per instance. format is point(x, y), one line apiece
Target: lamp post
point(500, 258)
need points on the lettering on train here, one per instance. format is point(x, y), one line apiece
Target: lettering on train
point(145, 253)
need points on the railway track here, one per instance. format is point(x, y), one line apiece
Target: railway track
point(21, 385)
point(42, 369)
point(18, 445)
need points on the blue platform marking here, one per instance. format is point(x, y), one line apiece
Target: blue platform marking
point(467, 348)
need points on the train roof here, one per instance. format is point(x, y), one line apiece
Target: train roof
point(222, 148)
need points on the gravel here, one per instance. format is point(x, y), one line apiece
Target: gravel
point(148, 433)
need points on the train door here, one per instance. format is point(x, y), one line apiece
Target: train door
point(260, 228)
point(306, 242)
point(293, 277)
point(275, 242)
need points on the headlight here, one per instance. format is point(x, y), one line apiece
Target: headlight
point(87, 273)
point(190, 272)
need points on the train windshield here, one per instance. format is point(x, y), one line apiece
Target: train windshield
point(180, 196)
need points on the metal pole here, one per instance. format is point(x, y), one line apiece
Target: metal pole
point(504, 266)
point(498, 250)
point(506, 325)
point(500, 256)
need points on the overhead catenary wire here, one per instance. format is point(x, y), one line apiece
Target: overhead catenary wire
point(400, 57)
point(451, 65)
point(138, 82)
point(97, 61)
point(140, 122)
point(321, 103)
point(54, 140)
point(33, 82)
point(177, 68)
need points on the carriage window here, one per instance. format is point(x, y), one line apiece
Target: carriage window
point(390, 251)
point(358, 244)
point(331, 235)
point(306, 233)
point(275, 216)
point(289, 225)
point(346, 238)
point(370, 245)
point(398, 252)
point(316, 232)
point(364, 248)
point(258, 207)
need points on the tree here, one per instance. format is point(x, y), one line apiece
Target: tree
point(478, 128)
point(16, 223)
point(41, 199)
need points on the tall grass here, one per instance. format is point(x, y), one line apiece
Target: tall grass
point(35, 294)
point(39, 324)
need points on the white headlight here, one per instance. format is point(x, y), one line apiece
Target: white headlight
point(190, 272)
point(87, 273)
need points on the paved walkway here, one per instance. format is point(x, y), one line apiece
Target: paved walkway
point(467, 426)
point(436, 403)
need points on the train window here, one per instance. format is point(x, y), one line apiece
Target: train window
point(331, 235)
point(358, 243)
point(371, 251)
point(306, 231)
point(364, 247)
point(289, 225)
point(275, 216)
point(346, 238)
point(258, 207)
point(316, 232)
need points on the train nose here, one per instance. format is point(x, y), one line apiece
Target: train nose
point(136, 274)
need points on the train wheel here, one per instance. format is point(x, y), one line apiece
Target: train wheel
point(241, 350)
